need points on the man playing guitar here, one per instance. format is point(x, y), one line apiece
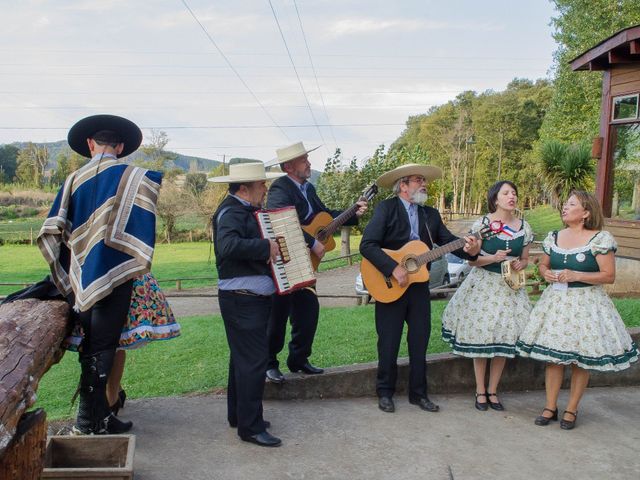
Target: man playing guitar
point(301, 306)
point(395, 222)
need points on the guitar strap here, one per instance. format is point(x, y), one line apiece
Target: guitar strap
point(426, 225)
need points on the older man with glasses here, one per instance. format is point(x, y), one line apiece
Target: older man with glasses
point(397, 221)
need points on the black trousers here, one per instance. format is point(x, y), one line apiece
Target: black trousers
point(303, 308)
point(413, 307)
point(102, 323)
point(245, 320)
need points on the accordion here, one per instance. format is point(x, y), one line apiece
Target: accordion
point(515, 280)
point(293, 269)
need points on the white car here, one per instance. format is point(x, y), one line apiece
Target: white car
point(437, 279)
point(458, 269)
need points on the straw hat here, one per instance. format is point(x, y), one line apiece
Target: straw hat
point(427, 171)
point(128, 131)
point(289, 153)
point(246, 172)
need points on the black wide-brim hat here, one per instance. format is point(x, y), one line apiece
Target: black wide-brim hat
point(128, 131)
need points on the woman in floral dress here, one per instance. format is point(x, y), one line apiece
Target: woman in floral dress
point(150, 318)
point(485, 316)
point(575, 322)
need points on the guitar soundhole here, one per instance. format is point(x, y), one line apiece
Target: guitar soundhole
point(411, 264)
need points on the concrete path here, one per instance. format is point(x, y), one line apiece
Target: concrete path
point(188, 437)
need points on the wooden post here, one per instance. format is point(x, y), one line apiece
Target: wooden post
point(345, 245)
point(179, 284)
point(31, 237)
point(24, 457)
point(191, 235)
point(31, 332)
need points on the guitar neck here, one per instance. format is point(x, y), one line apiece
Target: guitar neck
point(337, 222)
point(438, 252)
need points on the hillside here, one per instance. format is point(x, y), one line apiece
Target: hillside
point(184, 162)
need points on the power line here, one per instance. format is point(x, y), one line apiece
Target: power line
point(225, 92)
point(271, 54)
point(315, 74)
point(233, 69)
point(295, 70)
point(229, 127)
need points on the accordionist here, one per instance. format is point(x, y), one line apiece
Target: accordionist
point(245, 288)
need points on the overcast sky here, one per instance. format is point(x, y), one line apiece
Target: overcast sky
point(220, 80)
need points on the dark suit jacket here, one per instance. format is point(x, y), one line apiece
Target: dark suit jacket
point(390, 228)
point(285, 193)
point(239, 248)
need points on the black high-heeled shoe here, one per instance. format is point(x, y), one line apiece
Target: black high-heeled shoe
point(569, 424)
point(542, 421)
point(115, 408)
point(494, 405)
point(483, 407)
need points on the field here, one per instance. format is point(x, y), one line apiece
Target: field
point(197, 361)
point(23, 263)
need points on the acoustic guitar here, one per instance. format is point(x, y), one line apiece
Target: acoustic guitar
point(414, 257)
point(323, 225)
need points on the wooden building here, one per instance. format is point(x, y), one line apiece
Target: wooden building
point(618, 146)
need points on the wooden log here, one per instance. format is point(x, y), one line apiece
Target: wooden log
point(31, 332)
point(24, 456)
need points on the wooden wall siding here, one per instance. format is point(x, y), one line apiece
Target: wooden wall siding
point(625, 79)
point(627, 234)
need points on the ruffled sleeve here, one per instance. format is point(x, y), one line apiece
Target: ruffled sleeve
point(603, 243)
point(477, 225)
point(548, 242)
point(528, 233)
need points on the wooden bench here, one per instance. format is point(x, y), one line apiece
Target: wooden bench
point(627, 234)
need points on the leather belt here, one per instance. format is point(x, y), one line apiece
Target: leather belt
point(249, 293)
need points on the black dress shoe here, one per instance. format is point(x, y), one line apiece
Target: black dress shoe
point(267, 424)
point(306, 368)
point(542, 421)
point(483, 407)
point(425, 404)
point(386, 404)
point(494, 405)
point(115, 426)
point(569, 424)
point(264, 439)
point(274, 375)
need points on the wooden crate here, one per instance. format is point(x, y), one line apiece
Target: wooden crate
point(107, 457)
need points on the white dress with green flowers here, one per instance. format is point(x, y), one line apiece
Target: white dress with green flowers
point(580, 324)
point(485, 317)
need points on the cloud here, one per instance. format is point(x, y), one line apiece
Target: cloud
point(358, 26)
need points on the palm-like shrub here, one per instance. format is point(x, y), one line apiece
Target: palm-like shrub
point(565, 168)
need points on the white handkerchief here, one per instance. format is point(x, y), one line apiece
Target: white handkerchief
point(560, 286)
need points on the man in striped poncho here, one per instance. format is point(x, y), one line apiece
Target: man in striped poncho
point(99, 235)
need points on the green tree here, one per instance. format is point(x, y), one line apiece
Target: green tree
point(31, 163)
point(154, 156)
point(581, 24)
point(565, 168)
point(195, 182)
point(66, 163)
point(8, 163)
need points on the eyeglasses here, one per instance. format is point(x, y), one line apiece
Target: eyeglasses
point(417, 180)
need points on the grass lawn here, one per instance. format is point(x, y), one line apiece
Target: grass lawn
point(24, 263)
point(197, 361)
point(543, 219)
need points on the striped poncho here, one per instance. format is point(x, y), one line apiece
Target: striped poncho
point(100, 231)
